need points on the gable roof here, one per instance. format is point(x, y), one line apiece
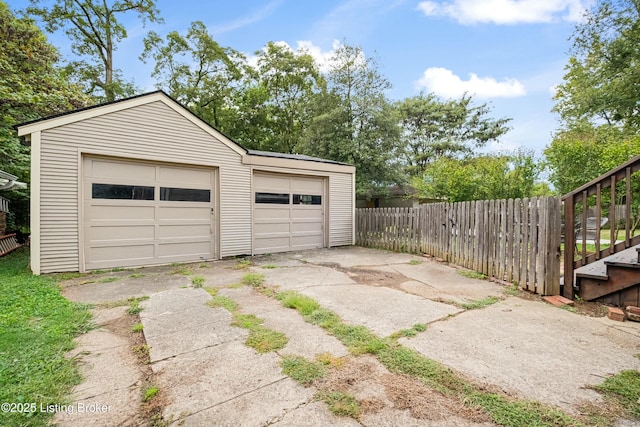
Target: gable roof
point(61, 119)
point(123, 104)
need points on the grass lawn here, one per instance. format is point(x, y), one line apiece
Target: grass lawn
point(37, 328)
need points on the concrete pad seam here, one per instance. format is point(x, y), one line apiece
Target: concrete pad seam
point(197, 327)
point(173, 356)
point(232, 398)
point(133, 384)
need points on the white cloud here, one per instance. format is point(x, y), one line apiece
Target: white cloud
point(444, 83)
point(506, 11)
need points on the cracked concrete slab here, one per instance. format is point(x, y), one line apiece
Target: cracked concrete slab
point(383, 310)
point(125, 287)
point(352, 256)
point(304, 339)
point(314, 414)
point(298, 278)
point(442, 281)
point(111, 378)
point(536, 350)
point(260, 407)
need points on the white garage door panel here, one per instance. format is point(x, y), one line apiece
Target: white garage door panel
point(123, 253)
point(119, 213)
point(135, 232)
point(184, 250)
point(286, 227)
point(113, 169)
point(183, 231)
point(130, 231)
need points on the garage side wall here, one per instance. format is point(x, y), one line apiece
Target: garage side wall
point(151, 131)
point(341, 209)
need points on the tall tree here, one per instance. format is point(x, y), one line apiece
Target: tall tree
point(198, 72)
point(433, 128)
point(31, 86)
point(94, 30)
point(286, 82)
point(602, 83)
point(354, 121)
point(599, 99)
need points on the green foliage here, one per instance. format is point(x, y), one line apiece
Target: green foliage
point(31, 87)
point(583, 151)
point(38, 326)
point(301, 370)
point(138, 327)
point(602, 84)
point(485, 177)
point(198, 72)
point(288, 79)
point(433, 128)
point(353, 121)
point(94, 31)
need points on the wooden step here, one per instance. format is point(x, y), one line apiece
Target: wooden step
point(614, 280)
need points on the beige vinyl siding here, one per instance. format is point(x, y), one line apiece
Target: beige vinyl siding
point(152, 131)
point(341, 209)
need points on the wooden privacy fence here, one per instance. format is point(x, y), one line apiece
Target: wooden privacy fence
point(516, 240)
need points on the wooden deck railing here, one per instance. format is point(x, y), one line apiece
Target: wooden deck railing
point(603, 197)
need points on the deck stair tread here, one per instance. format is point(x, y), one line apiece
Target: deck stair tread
point(598, 269)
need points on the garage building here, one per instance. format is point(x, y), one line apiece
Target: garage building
point(144, 181)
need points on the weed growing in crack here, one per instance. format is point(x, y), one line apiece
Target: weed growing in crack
point(197, 281)
point(142, 352)
point(134, 304)
point(301, 370)
point(473, 305)
point(504, 409)
point(340, 404)
point(253, 279)
point(150, 393)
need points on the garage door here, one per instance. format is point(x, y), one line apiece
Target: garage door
point(144, 213)
point(288, 212)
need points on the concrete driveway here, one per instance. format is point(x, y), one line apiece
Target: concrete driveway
point(206, 375)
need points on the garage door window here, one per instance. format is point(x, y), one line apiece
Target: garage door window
point(121, 192)
point(272, 198)
point(306, 199)
point(184, 195)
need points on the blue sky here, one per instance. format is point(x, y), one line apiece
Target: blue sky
point(508, 53)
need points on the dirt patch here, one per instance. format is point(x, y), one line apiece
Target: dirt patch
point(370, 277)
point(151, 411)
point(376, 390)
